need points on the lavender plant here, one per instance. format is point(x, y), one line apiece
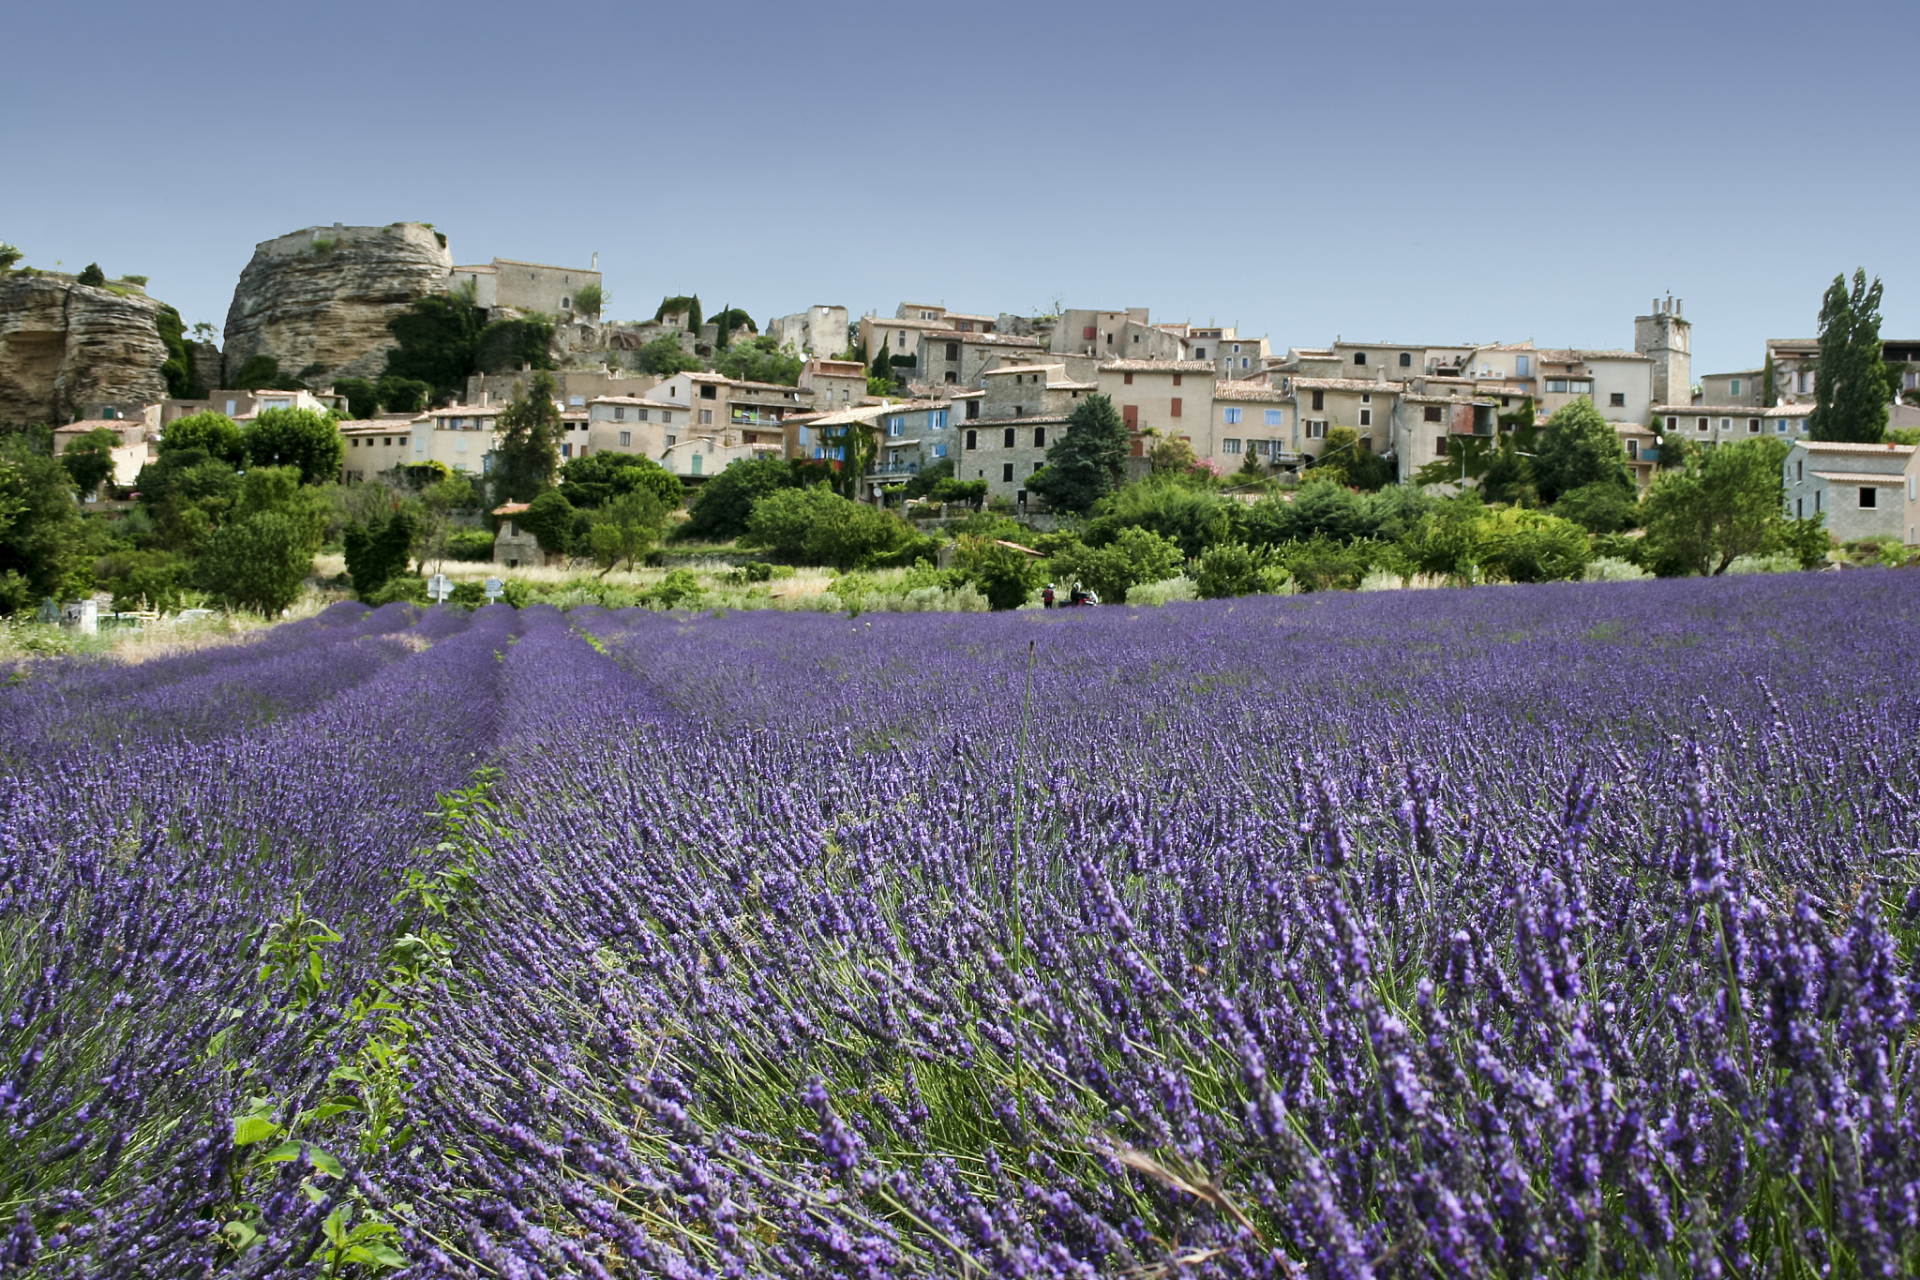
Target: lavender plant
point(1562, 930)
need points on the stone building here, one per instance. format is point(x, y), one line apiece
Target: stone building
point(512, 285)
point(1726, 423)
point(953, 358)
point(1167, 398)
point(835, 384)
point(1863, 490)
point(1004, 453)
point(1666, 337)
point(817, 331)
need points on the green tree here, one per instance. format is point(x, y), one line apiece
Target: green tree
point(627, 528)
point(42, 538)
point(92, 276)
point(598, 478)
point(402, 395)
point(528, 455)
point(922, 482)
point(722, 506)
point(9, 257)
point(1134, 557)
point(677, 304)
point(590, 300)
point(1087, 462)
point(1600, 507)
point(1235, 569)
point(257, 563)
point(732, 319)
point(1577, 447)
point(1768, 377)
point(295, 438)
point(435, 341)
point(1191, 518)
point(1725, 504)
point(214, 433)
point(1850, 380)
point(178, 368)
point(857, 444)
point(1322, 507)
point(550, 519)
point(759, 360)
point(1005, 575)
point(378, 553)
point(1517, 545)
point(883, 365)
point(510, 345)
point(782, 521)
point(663, 357)
point(853, 535)
point(150, 579)
point(694, 320)
point(262, 373)
point(1344, 461)
point(363, 398)
point(89, 460)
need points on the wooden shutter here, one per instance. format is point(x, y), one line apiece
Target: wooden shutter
point(1175, 411)
point(1130, 415)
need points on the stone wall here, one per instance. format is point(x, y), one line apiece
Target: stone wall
point(64, 345)
point(323, 296)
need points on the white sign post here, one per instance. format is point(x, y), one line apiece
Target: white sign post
point(494, 589)
point(439, 588)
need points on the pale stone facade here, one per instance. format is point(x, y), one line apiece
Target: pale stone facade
point(1863, 490)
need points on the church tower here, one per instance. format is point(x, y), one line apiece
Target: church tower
point(1664, 336)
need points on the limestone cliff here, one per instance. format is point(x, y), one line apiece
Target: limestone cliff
point(65, 346)
point(322, 297)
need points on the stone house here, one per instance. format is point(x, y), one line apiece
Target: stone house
point(1253, 418)
point(1795, 359)
point(900, 336)
point(1366, 405)
point(1004, 452)
point(1171, 398)
point(1618, 383)
point(462, 436)
point(911, 436)
point(129, 453)
point(835, 384)
point(698, 456)
point(1024, 390)
point(817, 331)
point(512, 545)
point(1427, 418)
point(372, 446)
point(1864, 490)
point(1234, 356)
point(506, 283)
point(714, 401)
point(1105, 334)
point(952, 358)
point(1746, 388)
point(637, 425)
point(1724, 423)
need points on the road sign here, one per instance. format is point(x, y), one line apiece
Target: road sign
point(494, 588)
point(439, 588)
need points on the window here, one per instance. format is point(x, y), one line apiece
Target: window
point(1229, 446)
point(1366, 417)
point(1633, 451)
point(1366, 397)
point(1316, 430)
point(1702, 425)
point(1869, 497)
point(1126, 379)
point(1406, 359)
point(1913, 488)
point(1319, 401)
point(1753, 426)
point(1617, 400)
point(1236, 348)
point(566, 451)
point(1558, 385)
point(666, 417)
point(1432, 413)
point(1439, 446)
point(1039, 437)
point(1230, 416)
point(419, 444)
point(1275, 417)
point(937, 420)
point(1816, 502)
point(1780, 426)
point(672, 440)
point(1006, 441)
point(1173, 411)
point(896, 426)
point(1804, 382)
point(973, 439)
point(1360, 357)
point(1522, 366)
point(953, 378)
point(626, 439)
point(706, 417)
point(1733, 386)
point(1581, 386)
point(709, 392)
point(1089, 333)
point(953, 351)
point(619, 413)
point(1176, 379)
point(939, 451)
point(1800, 471)
point(1199, 353)
point(1243, 362)
point(1006, 471)
point(566, 303)
point(1799, 508)
point(1673, 424)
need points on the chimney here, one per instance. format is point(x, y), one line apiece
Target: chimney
point(596, 259)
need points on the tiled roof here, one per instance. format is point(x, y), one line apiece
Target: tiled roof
point(1737, 411)
point(516, 262)
point(1031, 419)
point(1022, 368)
point(1348, 384)
point(1862, 477)
point(1255, 392)
point(1411, 398)
point(466, 411)
point(1838, 446)
point(1577, 355)
point(1157, 366)
point(639, 400)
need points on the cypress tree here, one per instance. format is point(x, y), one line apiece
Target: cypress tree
point(1088, 462)
point(693, 317)
point(1850, 381)
point(883, 364)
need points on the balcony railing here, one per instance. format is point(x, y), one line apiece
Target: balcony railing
point(894, 469)
point(752, 420)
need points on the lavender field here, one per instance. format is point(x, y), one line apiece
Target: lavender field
point(1542, 931)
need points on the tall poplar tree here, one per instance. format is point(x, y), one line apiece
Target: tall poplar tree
point(528, 456)
point(1089, 460)
point(1850, 381)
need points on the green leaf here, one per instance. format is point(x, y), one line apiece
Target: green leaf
point(377, 1255)
point(239, 1234)
point(327, 1110)
point(248, 1130)
point(315, 1156)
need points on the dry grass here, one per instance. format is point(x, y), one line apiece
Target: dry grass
point(24, 641)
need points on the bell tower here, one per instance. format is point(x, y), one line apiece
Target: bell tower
point(1665, 336)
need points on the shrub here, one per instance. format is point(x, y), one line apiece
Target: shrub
point(409, 588)
point(1235, 569)
point(679, 589)
point(1516, 545)
point(550, 519)
point(1165, 591)
point(1006, 577)
point(378, 553)
point(1193, 519)
point(474, 546)
point(468, 595)
point(294, 438)
point(1600, 507)
point(214, 433)
point(258, 563)
point(1134, 556)
point(1322, 564)
point(722, 506)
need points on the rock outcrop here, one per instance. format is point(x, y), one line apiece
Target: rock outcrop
point(65, 346)
point(322, 297)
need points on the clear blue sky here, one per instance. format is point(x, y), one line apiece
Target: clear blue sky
point(1391, 171)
